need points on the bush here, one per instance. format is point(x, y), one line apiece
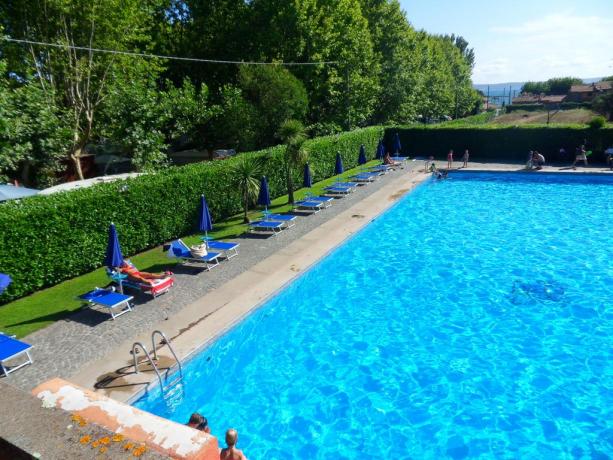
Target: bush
point(597, 122)
point(69, 236)
point(500, 142)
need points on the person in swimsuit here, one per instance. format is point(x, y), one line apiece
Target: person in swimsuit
point(387, 160)
point(580, 155)
point(465, 159)
point(429, 161)
point(450, 159)
point(196, 420)
point(231, 452)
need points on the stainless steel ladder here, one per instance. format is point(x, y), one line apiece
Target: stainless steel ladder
point(175, 389)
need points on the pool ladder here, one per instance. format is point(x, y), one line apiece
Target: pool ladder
point(172, 389)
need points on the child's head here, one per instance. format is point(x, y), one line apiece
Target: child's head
point(231, 437)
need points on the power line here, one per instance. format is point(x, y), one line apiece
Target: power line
point(175, 58)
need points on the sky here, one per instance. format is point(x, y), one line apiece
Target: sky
point(525, 40)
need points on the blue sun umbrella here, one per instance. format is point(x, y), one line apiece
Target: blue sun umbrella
point(5, 280)
point(205, 222)
point(362, 157)
point(307, 180)
point(338, 168)
point(397, 146)
point(380, 150)
point(11, 192)
point(264, 195)
point(113, 258)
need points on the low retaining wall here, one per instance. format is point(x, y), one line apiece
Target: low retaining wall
point(164, 436)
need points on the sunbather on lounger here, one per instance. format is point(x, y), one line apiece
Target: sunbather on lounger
point(143, 277)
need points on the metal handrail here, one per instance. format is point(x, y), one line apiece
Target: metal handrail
point(135, 345)
point(167, 342)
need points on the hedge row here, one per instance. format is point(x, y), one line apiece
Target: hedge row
point(48, 239)
point(502, 143)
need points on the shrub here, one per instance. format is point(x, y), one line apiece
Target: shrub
point(597, 122)
point(48, 239)
point(500, 142)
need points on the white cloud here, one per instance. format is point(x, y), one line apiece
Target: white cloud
point(562, 44)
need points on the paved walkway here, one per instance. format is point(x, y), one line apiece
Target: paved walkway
point(88, 335)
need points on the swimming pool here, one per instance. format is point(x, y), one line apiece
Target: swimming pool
point(473, 319)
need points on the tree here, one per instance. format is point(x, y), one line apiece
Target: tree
point(77, 80)
point(276, 96)
point(292, 134)
point(551, 86)
point(246, 174)
point(604, 104)
point(34, 134)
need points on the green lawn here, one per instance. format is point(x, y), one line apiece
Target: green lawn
point(36, 311)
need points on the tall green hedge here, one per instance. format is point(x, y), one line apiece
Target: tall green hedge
point(501, 143)
point(48, 239)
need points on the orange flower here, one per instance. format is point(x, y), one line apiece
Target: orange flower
point(139, 451)
point(128, 446)
point(95, 444)
point(82, 423)
point(76, 418)
point(103, 449)
point(85, 439)
point(118, 437)
point(106, 440)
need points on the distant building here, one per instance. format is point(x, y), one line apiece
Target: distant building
point(539, 99)
point(584, 93)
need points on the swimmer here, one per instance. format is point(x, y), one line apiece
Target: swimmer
point(231, 452)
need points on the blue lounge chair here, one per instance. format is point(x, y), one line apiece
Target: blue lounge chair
point(287, 219)
point(325, 201)
point(179, 250)
point(339, 190)
point(313, 206)
point(11, 348)
point(266, 226)
point(365, 177)
point(346, 184)
point(227, 249)
point(110, 300)
point(381, 169)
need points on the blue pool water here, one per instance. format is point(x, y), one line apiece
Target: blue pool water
point(474, 319)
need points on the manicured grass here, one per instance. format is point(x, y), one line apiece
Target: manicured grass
point(36, 311)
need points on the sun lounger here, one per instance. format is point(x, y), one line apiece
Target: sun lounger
point(129, 276)
point(381, 169)
point(339, 190)
point(346, 184)
point(287, 219)
point(227, 249)
point(11, 348)
point(273, 226)
point(313, 206)
point(365, 177)
point(325, 201)
point(180, 250)
point(111, 300)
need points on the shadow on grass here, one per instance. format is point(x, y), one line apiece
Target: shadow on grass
point(85, 315)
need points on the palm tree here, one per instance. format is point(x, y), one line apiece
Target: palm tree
point(292, 134)
point(247, 172)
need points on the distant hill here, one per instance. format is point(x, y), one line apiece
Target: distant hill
point(500, 89)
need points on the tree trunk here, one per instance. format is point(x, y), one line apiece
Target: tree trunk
point(290, 185)
point(76, 159)
point(246, 218)
point(25, 173)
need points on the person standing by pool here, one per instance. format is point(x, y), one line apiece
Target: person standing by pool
point(429, 161)
point(465, 159)
point(450, 159)
point(231, 452)
point(538, 160)
point(580, 155)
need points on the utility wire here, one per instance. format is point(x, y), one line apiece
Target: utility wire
point(175, 58)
